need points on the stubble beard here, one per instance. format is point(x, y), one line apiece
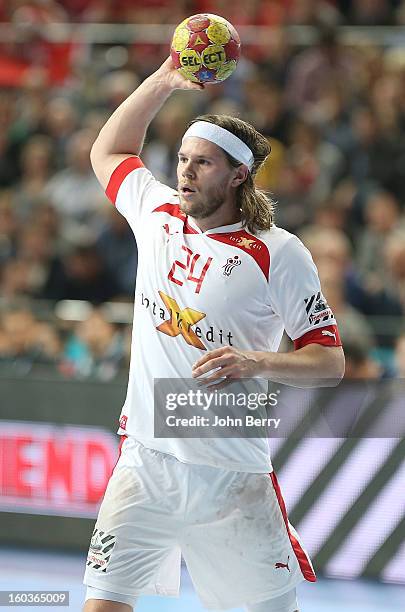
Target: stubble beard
point(203, 206)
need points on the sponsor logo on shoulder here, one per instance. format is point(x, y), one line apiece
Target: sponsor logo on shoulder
point(317, 309)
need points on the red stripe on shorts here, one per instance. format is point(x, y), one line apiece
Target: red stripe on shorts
point(302, 559)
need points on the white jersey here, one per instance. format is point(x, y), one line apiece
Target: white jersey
point(197, 291)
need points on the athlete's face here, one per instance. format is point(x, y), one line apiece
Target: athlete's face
point(205, 178)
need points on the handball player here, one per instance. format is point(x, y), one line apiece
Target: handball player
point(217, 284)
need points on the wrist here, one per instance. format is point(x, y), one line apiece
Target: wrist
point(162, 80)
point(260, 365)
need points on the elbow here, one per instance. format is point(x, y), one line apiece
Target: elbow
point(340, 365)
point(98, 149)
point(94, 153)
point(337, 367)
point(331, 365)
point(342, 368)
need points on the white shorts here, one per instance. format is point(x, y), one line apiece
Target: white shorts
point(230, 527)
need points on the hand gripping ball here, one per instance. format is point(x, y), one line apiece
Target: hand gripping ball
point(205, 48)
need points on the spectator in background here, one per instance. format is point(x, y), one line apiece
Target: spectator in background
point(314, 68)
point(275, 57)
point(313, 12)
point(267, 109)
point(382, 215)
point(359, 364)
point(32, 104)
point(117, 248)
point(96, 348)
point(310, 170)
point(60, 122)
point(26, 340)
point(23, 115)
point(330, 214)
point(36, 167)
point(375, 156)
point(75, 192)
point(45, 217)
point(36, 250)
point(115, 87)
point(15, 280)
point(318, 163)
point(332, 115)
point(83, 277)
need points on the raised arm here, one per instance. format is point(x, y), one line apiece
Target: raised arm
point(124, 132)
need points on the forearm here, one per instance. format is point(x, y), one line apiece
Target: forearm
point(125, 130)
point(312, 366)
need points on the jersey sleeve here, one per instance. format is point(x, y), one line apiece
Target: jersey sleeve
point(135, 192)
point(296, 297)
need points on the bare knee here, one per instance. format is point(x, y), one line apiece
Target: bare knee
point(102, 605)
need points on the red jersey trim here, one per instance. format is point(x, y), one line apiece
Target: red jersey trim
point(303, 561)
point(250, 245)
point(327, 336)
point(174, 211)
point(119, 174)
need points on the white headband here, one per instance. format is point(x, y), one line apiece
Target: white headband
point(224, 139)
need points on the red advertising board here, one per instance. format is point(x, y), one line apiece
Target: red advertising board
point(54, 469)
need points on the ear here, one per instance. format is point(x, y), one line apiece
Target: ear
point(240, 175)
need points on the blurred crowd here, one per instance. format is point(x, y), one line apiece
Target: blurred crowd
point(253, 12)
point(334, 114)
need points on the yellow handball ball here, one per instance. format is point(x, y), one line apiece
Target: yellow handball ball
point(205, 48)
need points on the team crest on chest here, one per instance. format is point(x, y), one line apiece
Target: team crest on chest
point(231, 264)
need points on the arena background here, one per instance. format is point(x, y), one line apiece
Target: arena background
point(325, 82)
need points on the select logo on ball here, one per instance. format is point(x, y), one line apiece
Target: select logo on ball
point(214, 56)
point(205, 48)
point(190, 59)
